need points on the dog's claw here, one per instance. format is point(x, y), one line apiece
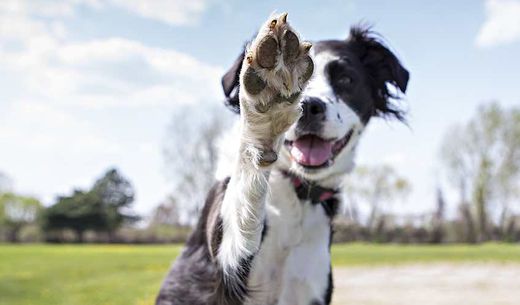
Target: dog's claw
point(283, 18)
point(306, 46)
point(267, 158)
point(272, 24)
point(249, 58)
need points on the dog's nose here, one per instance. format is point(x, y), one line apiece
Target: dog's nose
point(313, 109)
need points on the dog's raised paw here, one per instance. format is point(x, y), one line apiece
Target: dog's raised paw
point(275, 70)
point(277, 63)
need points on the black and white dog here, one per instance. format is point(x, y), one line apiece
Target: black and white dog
point(264, 233)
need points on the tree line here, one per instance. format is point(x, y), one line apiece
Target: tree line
point(481, 164)
point(479, 159)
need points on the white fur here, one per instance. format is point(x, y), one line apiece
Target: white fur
point(308, 263)
point(293, 264)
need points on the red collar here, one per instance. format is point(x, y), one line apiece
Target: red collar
point(308, 190)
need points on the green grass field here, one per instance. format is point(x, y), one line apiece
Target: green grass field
point(131, 275)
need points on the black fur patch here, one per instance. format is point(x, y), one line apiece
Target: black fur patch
point(196, 277)
point(330, 207)
point(330, 287)
point(232, 288)
point(193, 278)
point(362, 72)
point(265, 229)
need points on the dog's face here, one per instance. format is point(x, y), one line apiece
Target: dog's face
point(353, 81)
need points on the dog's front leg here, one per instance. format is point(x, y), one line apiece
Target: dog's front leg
point(276, 68)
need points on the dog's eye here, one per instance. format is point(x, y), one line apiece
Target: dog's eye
point(345, 80)
point(340, 75)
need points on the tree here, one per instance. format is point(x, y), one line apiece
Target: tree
point(116, 195)
point(438, 218)
point(79, 212)
point(103, 208)
point(482, 160)
point(190, 152)
point(166, 213)
point(375, 185)
point(17, 211)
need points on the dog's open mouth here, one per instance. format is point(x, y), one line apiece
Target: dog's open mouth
point(314, 152)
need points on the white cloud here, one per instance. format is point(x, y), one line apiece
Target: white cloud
point(502, 25)
point(112, 72)
point(109, 72)
point(172, 12)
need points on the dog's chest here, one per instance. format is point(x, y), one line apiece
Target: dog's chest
point(292, 225)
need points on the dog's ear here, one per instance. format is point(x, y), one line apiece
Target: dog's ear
point(230, 84)
point(384, 69)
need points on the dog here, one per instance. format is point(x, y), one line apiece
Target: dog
point(265, 231)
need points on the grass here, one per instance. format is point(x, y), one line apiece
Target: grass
point(131, 275)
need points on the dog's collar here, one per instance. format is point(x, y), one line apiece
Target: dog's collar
point(308, 190)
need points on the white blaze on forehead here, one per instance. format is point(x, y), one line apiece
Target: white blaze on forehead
point(319, 85)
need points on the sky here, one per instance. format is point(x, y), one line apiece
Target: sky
point(86, 85)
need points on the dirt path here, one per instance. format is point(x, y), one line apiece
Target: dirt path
point(442, 284)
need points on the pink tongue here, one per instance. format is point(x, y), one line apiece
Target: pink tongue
point(311, 151)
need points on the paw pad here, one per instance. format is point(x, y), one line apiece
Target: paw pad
point(291, 46)
point(266, 52)
point(309, 70)
point(252, 82)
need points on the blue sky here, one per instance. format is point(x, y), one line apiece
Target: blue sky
point(89, 84)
